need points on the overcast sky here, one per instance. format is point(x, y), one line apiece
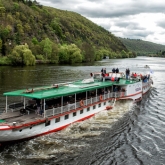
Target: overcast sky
point(134, 19)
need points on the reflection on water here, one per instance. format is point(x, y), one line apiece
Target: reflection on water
point(131, 133)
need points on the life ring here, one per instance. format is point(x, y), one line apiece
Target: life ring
point(81, 103)
point(101, 97)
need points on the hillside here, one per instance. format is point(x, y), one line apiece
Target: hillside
point(49, 32)
point(143, 47)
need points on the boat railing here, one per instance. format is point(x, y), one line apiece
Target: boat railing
point(54, 111)
point(88, 101)
point(68, 107)
point(49, 112)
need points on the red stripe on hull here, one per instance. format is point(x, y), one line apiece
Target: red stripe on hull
point(54, 130)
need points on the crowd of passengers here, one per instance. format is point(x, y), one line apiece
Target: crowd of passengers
point(106, 76)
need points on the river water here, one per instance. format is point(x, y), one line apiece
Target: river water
point(130, 134)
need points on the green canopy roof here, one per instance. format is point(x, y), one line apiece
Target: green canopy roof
point(64, 89)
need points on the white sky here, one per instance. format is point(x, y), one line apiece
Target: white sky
point(134, 19)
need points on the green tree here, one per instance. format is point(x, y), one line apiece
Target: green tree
point(35, 41)
point(47, 49)
point(88, 52)
point(22, 55)
point(54, 55)
point(124, 54)
point(74, 54)
point(70, 54)
point(63, 54)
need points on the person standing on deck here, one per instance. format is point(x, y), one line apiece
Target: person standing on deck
point(127, 72)
point(103, 77)
point(113, 70)
point(104, 71)
point(38, 106)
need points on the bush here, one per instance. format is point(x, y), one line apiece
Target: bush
point(5, 61)
point(39, 57)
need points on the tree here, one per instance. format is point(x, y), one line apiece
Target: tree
point(74, 54)
point(34, 41)
point(124, 54)
point(54, 55)
point(88, 52)
point(70, 54)
point(22, 55)
point(47, 48)
point(63, 54)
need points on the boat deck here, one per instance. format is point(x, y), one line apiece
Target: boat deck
point(10, 117)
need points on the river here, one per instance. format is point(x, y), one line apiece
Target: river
point(130, 134)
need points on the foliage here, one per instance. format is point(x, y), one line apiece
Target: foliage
point(22, 55)
point(45, 28)
point(70, 54)
point(39, 57)
point(143, 48)
point(4, 60)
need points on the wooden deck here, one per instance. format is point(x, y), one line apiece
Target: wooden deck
point(20, 119)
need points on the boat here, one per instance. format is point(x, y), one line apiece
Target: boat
point(51, 108)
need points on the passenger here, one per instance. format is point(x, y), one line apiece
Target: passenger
point(115, 89)
point(91, 74)
point(132, 75)
point(104, 71)
point(113, 70)
point(38, 106)
point(41, 112)
point(55, 85)
point(135, 75)
point(127, 72)
point(103, 77)
point(117, 70)
point(29, 91)
point(81, 103)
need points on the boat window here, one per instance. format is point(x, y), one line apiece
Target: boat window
point(74, 114)
point(99, 105)
point(66, 117)
point(94, 107)
point(104, 103)
point(88, 109)
point(81, 111)
point(57, 120)
point(47, 123)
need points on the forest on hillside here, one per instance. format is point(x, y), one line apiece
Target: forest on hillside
point(144, 48)
point(30, 32)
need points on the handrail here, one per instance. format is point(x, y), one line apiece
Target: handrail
point(68, 107)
